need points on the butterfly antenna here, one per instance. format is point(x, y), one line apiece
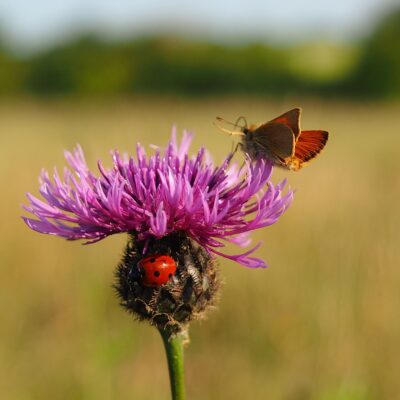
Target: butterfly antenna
point(226, 122)
point(241, 118)
point(227, 130)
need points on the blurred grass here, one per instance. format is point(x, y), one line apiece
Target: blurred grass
point(321, 323)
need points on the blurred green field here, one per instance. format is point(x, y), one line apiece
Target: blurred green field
point(322, 323)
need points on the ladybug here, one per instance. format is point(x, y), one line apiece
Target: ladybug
point(157, 269)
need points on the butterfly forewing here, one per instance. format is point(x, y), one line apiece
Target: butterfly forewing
point(291, 119)
point(275, 138)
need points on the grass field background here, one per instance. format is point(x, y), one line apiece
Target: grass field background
point(321, 323)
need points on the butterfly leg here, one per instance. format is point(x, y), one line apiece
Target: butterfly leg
point(237, 147)
point(234, 150)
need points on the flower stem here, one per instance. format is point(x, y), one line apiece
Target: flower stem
point(174, 350)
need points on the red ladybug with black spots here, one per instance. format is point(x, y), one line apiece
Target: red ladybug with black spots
point(157, 269)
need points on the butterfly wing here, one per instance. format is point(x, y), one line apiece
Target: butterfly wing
point(308, 145)
point(273, 141)
point(291, 119)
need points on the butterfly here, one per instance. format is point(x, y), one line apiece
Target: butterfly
point(280, 140)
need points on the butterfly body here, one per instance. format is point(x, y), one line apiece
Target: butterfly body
point(282, 142)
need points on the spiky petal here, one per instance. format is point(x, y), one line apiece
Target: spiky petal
point(156, 195)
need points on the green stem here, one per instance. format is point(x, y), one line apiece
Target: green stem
point(174, 349)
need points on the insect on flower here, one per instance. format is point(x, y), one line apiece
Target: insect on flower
point(179, 212)
point(158, 195)
point(157, 269)
point(280, 140)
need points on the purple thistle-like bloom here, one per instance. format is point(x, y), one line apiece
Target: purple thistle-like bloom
point(160, 194)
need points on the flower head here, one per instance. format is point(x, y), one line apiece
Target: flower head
point(154, 196)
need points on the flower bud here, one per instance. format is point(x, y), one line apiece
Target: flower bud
point(184, 297)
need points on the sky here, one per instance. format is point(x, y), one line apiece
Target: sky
point(32, 24)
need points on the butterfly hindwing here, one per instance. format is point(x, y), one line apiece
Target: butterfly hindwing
point(308, 146)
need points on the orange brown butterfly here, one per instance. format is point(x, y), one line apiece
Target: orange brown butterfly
point(280, 140)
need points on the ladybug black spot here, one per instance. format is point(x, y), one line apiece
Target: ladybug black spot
point(169, 275)
point(157, 273)
point(152, 259)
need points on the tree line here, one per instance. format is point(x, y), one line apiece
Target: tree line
point(93, 66)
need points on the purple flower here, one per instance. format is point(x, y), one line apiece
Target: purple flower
point(156, 195)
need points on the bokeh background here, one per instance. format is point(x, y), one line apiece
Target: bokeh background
point(322, 323)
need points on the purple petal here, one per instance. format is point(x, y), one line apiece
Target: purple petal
point(159, 194)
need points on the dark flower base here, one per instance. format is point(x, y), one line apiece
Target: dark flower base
point(183, 298)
